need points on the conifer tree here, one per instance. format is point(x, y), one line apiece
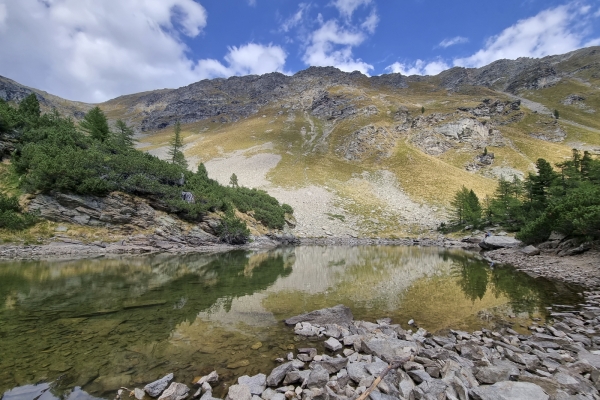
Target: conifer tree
point(233, 181)
point(176, 145)
point(95, 124)
point(30, 107)
point(123, 134)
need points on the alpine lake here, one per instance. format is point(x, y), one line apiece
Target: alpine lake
point(82, 329)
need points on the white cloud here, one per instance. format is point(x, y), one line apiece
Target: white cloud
point(252, 3)
point(295, 19)
point(419, 67)
point(94, 50)
point(452, 41)
point(251, 59)
point(331, 45)
point(347, 7)
point(371, 22)
point(553, 31)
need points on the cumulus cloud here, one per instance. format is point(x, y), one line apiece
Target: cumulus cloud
point(552, 31)
point(419, 67)
point(249, 59)
point(331, 45)
point(347, 7)
point(94, 50)
point(452, 41)
point(371, 22)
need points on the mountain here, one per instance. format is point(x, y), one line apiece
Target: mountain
point(370, 156)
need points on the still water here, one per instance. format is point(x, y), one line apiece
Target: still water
point(88, 327)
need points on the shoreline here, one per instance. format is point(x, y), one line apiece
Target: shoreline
point(582, 269)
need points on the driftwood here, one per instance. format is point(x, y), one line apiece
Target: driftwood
point(394, 365)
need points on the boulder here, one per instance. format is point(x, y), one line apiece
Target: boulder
point(530, 251)
point(498, 242)
point(155, 388)
point(501, 371)
point(318, 378)
point(388, 349)
point(278, 373)
point(509, 391)
point(340, 315)
point(333, 344)
point(256, 383)
point(239, 392)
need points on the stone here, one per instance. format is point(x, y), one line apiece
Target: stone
point(497, 242)
point(278, 373)
point(318, 378)
point(333, 365)
point(295, 377)
point(388, 349)
point(431, 389)
point(139, 393)
point(155, 388)
point(239, 392)
point(176, 391)
point(419, 375)
point(357, 371)
point(256, 383)
point(530, 251)
point(340, 315)
point(501, 371)
point(333, 344)
point(509, 391)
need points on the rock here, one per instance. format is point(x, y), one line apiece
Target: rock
point(256, 383)
point(155, 388)
point(333, 365)
point(556, 236)
point(431, 389)
point(340, 315)
point(501, 371)
point(239, 392)
point(509, 391)
point(530, 251)
point(238, 364)
point(357, 371)
point(176, 391)
point(295, 377)
point(419, 375)
point(498, 242)
point(388, 349)
point(139, 393)
point(318, 378)
point(333, 344)
point(278, 374)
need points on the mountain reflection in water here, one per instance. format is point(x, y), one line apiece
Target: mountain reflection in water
point(104, 323)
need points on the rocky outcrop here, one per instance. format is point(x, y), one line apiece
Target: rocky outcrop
point(368, 141)
point(116, 209)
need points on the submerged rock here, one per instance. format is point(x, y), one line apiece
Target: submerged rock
point(340, 315)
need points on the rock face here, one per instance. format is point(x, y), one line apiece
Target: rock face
point(510, 391)
point(340, 315)
point(114, 209)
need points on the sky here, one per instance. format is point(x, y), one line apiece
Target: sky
point(95, 50)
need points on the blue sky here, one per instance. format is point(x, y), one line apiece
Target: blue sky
point(93, 50)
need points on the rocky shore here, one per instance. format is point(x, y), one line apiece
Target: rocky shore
point(383, 361)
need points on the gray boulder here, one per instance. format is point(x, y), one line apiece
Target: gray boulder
point(509, 391)
point(501, 371)
point(256, 383)
point(239, 392)
point(340, 315)
point(278, 373)
point(155, 388)
point(498, 242)
point(333, 365)
point(387, 349)
point(318, 378)
point(530, 251)
point(333, 344)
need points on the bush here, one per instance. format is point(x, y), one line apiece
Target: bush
point(11, 217)
point(232, 230)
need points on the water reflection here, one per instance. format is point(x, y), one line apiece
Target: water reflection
point(104, 323)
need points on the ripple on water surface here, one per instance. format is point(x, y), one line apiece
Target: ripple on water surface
point(101, 324)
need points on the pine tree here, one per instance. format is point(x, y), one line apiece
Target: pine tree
point(466, 208)
point(175, 154)
point(95, 124)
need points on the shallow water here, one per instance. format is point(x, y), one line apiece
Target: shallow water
point(104, 323)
